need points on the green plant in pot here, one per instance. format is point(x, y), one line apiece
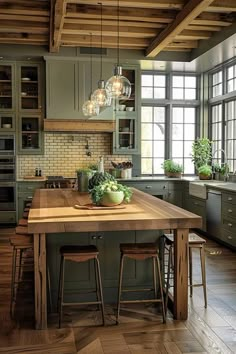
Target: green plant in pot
point(205, 172)
point(172, 169)
point(110, 193)
point(201, 152)
point(83, 177)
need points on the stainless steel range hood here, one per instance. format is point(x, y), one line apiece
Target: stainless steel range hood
point(79, 126)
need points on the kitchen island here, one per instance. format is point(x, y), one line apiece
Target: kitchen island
point(53, 211)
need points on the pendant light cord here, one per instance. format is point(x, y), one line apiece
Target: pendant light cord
point(101, 43)
point(91, 67)
point(118, 32)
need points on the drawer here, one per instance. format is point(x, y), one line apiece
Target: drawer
point(228, 223)
point(228, 237)
point(175, 185)
point(229, 198)
point(152, 188)
point(229, 210)
point(8, 217)
point(29, 186)
point(196, 202)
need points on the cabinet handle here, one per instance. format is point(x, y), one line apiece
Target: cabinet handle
point(164, 187)
point(195, 203)
point(100, 237)
point(229, 224)
point(230, 198)
point(229, 237)
point(30, 188)
point(148, 187)
point(229, 210)
point(29, 197)
point(94, 237)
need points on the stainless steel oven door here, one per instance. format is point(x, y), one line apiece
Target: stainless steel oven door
point(7, 196)
point(7, 168)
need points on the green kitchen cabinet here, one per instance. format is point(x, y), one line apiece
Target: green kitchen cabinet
point(228, 219)
point(175, 193)
point(7, 87)
point(158, 189)
point(197, 206)
point(30, 134)
point(25, 193)
point(126, 138)
point(69, 84)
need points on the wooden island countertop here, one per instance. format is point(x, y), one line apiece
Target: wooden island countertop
point(54, 211)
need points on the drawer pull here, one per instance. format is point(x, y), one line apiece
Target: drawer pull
point(230, 198)
point(230, 210)
point(100, 237)
point(229, 237)
point(94, 237)
point(148, 187)
point(164, 187)
point(230, 225)
point(195, 203)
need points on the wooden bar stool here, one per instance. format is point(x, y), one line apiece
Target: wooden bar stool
point(141, 251)
point(195, 241)
point(80, 254)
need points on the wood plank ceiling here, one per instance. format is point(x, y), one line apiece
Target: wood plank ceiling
point(149, 25)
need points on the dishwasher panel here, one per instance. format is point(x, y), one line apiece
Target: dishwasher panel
point(213, 210)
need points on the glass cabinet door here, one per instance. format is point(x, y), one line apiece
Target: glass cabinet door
point(7, 121)
point(29, 88)
point(126, 139)
point(6, 87)
point(30, 134)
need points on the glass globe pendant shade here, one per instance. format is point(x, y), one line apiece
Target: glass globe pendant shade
point(118, 86)
point(100, 96)
point(90, 108)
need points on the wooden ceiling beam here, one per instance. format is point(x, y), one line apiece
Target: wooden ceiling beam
point(144, 4)
point(222, 6)
point(192, 35)
point(23, 11)
point(183, 44)
point(111, 23)
point(204, 28)
point(25, 18)
point(23, 29)
point(190, 11)
point(59, 16)
point(209, 22)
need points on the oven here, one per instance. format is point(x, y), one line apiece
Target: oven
point(7, 196)
point(7, 144)
point(7, 168)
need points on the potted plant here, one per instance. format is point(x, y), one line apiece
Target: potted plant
point(205, 172)
point(172, 169)
point(201, 152)
point(110, 193)
point(83, 176)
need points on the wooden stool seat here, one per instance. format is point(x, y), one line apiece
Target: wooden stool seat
point(21, 230)
point(23, 222)
point(194, 241)
point(140, 251)
point(81, 253)
point(25, 214)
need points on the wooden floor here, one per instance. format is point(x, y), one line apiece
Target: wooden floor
point(211, 330)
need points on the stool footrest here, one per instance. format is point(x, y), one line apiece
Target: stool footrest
point(81, 303)
point(139, 301)
point(136, 290)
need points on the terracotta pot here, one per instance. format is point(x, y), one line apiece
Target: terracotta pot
point(173, 174)
point(112, 198)
point(201, 176)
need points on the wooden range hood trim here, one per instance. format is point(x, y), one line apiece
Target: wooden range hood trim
point(79, 125)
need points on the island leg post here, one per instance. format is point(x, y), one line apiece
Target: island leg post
point(40, 281)
point(181, 274)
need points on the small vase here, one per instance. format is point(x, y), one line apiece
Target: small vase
point(112, 198)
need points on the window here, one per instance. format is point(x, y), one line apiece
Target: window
point(183, 136)
point(152, 139)
point(168, 130)
point(153, 86)
point(231, 78)
point(184, 87)
point(230, 133)
point(216, 124)
point(217, 84)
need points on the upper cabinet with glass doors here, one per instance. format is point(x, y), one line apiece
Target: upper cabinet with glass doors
point(29, 87)
point(7, 83)
point(127, 115)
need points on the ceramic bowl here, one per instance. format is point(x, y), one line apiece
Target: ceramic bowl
point(129, 109)
point(122, 107)
point(6, 126)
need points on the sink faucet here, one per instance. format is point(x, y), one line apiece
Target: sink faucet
point(226, 174)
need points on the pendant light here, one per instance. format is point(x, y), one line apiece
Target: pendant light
point(118, 86)
point(100, 95)
point(90, 108)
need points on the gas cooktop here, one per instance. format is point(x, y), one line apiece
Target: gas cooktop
point(54, 178)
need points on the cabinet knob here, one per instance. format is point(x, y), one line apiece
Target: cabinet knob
point(148, 187)
point(100, 237)
point(164, 187)
point(195, 203)
point(229, 224)
point(229, 210)
point(94, 237)
point(230, 198)
point(229, 237)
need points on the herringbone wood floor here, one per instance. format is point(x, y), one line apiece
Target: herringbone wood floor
point(211, 330)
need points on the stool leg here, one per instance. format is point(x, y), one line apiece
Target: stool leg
point(13, 278)
point(49, 289)
point(161, 289)
point(190, 272)
point(119, 289)
point(168, 278)
point(100, 289)
point(203, 267)
point(154, 277)
point(20, 264)
point(61, 290)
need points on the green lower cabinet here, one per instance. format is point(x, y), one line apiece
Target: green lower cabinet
point(175, 193)
point(198, 207)
point(25, 193)
point(80, 276)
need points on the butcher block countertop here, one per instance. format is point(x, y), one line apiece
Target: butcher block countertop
point(58, 210)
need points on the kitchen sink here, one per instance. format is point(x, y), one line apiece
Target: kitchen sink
point(199, 188)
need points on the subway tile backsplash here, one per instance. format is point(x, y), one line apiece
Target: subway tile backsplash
point(65, 153)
